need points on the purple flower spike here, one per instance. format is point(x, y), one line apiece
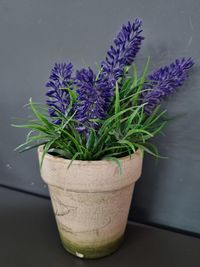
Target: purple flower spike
point(164, 82)
point(122, 54)
point(92, 100)
point(60, 77)
point(95, 93)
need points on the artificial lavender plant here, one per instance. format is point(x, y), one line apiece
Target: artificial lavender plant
point(109, 113)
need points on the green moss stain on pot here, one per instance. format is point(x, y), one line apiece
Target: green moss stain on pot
point(88, 251)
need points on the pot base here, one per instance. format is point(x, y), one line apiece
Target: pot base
point(89, 252)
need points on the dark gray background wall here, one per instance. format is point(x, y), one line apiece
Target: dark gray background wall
point(35, 34)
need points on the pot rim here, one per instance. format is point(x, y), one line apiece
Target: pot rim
point(93, 162)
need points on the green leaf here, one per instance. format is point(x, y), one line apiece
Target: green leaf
point(103, 152)
point(22, 145)
point(128, 143)
point(153, 118)
point(158, 129)
point(149, 151)
point(66, 123)
point(29, 135)
point(32, 146)
point(115, 160)
point(134, 76)
point(112, 118)
point(132, 116)
point(73, 158)
point(38, 137)
point(75, 134)
point(136, 131)
point(125, 86)
point(45, 150)
point(117, 105)
point(62, 153)
point(39, 115)
point(142, 80)
point(91, 139)
point(74, 141)
point(73, 97)
point(34, 127)
point(117, 102)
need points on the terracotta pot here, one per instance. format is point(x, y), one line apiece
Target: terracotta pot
point(91, 201)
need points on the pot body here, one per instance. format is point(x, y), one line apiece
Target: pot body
point(91, 201)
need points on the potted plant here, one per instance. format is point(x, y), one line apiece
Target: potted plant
point(91, 135)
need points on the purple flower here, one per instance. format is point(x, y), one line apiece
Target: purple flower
point(91, 100)
point(95, 93)
point(123, 52)
point(164, 82)
point(60, 78)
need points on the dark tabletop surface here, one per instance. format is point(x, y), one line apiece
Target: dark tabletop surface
point(28, 237)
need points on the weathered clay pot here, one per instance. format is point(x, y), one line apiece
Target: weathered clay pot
point(91, 201)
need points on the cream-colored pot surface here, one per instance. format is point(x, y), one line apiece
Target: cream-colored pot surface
point(91, 201)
